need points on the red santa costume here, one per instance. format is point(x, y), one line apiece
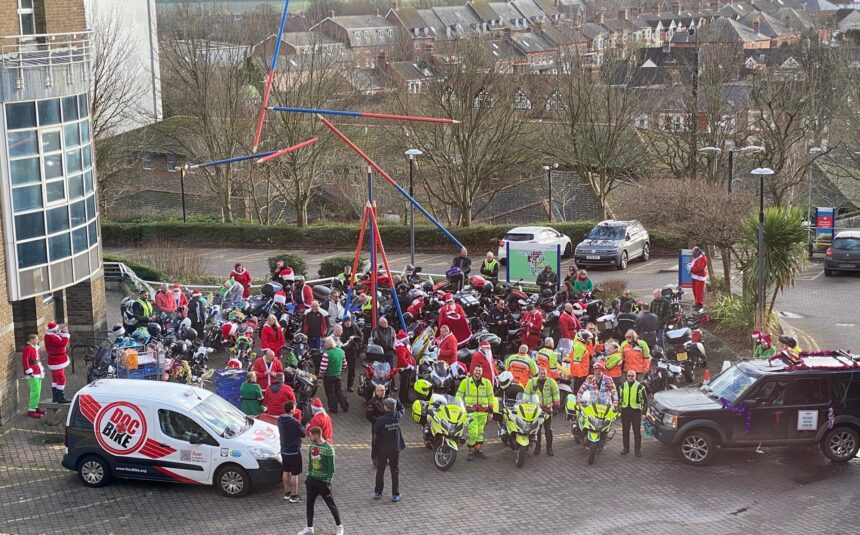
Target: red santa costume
point(415, 307)
point(241, 275)
point(266, 370)
point(454, 317)
point(532, 324)
point(179, 297)
point(447, 348)
point(320, 419)
point(56, 342)
point(403, 351)
point(699, 276)
point(484, 357)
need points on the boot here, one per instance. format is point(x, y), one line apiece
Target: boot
point(34, 414)
point(537, 448)
point(60, 398)
point(54, 394)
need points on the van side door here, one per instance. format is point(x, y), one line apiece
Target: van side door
point(191, 446)
point(768, 420)
point(806, 405)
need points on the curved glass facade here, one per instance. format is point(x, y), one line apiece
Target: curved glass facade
point(50, 203)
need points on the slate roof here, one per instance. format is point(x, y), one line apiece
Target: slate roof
point(768, 25)
point(529, 43)
point(727, 30)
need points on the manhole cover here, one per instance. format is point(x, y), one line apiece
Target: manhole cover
point(789, 315)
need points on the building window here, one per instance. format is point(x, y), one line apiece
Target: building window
point(413, 86)
point(26, 17)
point(553, 103)
point(146, 161)
point(171, 163)
point(521, 101)
point(641, 121)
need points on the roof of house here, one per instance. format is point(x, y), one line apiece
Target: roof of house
point(453, 15)
point(307, 39)
point(529, 43)
point(850, 22)
point(560, 35)
point(726, 30)
point(362, 22)
point(507, 12)
point(529, 9)
point(794, 19)
point(413, 70)
point(482, 9)
point(736, 9)
point(503, 49)
point(768, 25)
point(819, 5)
point(593, 30)
point(410, 17)
point(548, 7)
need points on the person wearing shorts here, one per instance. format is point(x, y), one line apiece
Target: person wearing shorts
point(292, 432)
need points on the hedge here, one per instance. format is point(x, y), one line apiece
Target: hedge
point(479, 238)
point(332, 267)
point(291, 260)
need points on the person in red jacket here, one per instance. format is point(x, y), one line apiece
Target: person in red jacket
point(34, 374)
point(164, 300)
point(447, 345)
point(484, 358)
point(241, 275)
point(532, 324)
point(405, 365)
point(302, 294)
point(276, 395)
point(271, 335)
point(322, 420)
point(699, 276)
point(452, 315)
point(56, 342)
point(266, 367)
point(569, 325)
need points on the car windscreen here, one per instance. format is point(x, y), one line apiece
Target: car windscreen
point(226, 420)
point(847, 244)
point(518, 237)
point(606, 232)
point(732, 384)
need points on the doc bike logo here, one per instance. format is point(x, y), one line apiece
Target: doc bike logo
point(120, 428)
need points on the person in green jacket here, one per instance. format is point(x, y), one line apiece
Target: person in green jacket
point(582, 284)
point(547, 391)
point(252, 395)
point(318, 482)
point(331, 367)
point(764, 346)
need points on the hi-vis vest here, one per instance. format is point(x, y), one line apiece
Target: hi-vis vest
point(473, 393)
point(631, 395)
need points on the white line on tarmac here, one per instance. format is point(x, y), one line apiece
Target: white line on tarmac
point(27, 482)
point(215, 251)
point(66, 510)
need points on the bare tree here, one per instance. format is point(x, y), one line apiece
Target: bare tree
point(594, 135)
point(465, 165)
point(212, 86)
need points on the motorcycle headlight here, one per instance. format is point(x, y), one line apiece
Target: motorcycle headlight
point(670, 420)
point(595, 422)
point(262, 454)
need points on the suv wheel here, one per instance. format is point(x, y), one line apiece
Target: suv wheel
point(622, 261)
point(568, 250)
point(646, 253)
point(841, 444)
point(697, 447)
point(828, 272)
point(232, 481)
point(93, 471)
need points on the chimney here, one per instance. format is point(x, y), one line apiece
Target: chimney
point(678, 7)
point(756, 25)
point(331, 13)
point(599, 17)
point(622, 15)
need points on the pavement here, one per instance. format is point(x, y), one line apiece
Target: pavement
point(821, 311)
point(784, 490)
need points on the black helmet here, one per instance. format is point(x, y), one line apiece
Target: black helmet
point(300, 338)
point(488, 288)
point(190, 333)
point(427, 286)
point(790, 341)
point(546, 292)
point(409, 269)
point(154, 329)
point(375, 350)
point(299, 280)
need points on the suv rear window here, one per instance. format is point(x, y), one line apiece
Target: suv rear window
point(807, 391)
point(518, 237)
point(847, 244)
point(607, 232)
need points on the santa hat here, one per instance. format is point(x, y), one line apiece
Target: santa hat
point(316, 405)
point(280, 297)
point(287, 274)
point(757, 336)
point(449, 297)
point(401, 335)
point(176, 286)
point(53, 327)
point(234, 363)
point(196, 293)
point(485, 344)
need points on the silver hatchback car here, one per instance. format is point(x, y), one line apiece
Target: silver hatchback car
point(614, 243)
point(844, 253)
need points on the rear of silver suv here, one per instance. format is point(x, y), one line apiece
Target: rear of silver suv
point(614, 243)
point(843, 254)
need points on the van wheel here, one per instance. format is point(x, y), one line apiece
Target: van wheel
point(646, 253)
point(93, 471)
point(841, 444)
point(622, 261)
point(697, 447)
point(828, 272)
point(568, 250)
point(232, 481)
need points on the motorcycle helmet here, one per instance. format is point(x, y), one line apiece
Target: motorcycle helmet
point(154, 329)
point(427, 287)
point(185, 324)
point(374, 350)
point(300, 338)
point(408, 269)
point(118, 330)
point(584, 336)
point(414, 293)
point(299, 280)
point(289, 374)
point(140, 335)
point(787, 340)
point(505, 380)
point(546, 292)
point(488, 288)
point(458, 371)
point(422, 387)
point(190, 334)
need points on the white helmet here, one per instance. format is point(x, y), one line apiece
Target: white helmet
point(505, 380)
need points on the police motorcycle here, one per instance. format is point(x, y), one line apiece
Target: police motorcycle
point(436, 377)
point(592, 417)
point(519, 425)
point(444, 420)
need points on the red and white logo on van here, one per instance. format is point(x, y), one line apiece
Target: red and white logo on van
point(120, 428)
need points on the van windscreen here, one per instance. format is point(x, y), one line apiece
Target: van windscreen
point(225, 419)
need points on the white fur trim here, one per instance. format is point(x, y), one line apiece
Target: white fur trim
point(28, 371)
point(55, 367)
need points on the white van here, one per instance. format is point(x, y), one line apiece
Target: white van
point(167, 432)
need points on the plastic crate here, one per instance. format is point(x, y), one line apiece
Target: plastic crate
point(228, 382)
point(149, 371)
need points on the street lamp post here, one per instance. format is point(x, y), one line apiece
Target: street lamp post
point(814, 151)
point(716, 151)
point(411, 155)
point(548, 169)
point(182, 171)
point(761, 172)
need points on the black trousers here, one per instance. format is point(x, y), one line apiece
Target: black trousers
point(334, 394)
point(316, 488)
point(350, 369)
point(405, 386)
point(631, 418)
point(547, 430)
point(393, 460)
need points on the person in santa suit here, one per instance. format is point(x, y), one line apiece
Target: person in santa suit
point(447, 345)
point(484, 358)
point(34, 374)
point(266, 367)
point(452, 315)
point(302, 295)
point(271, 335)
point(532, 324)
point(56, 342)
point(405, 364)
point(699, 275)
point(241, 275)
point(416, 306)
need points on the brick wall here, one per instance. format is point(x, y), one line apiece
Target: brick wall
point(62, 16)
point(87, 307)
point(9, 17)
point(9, 364)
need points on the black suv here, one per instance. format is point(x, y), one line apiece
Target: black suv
point(768, 403)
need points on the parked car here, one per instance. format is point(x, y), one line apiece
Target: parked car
point(844, 253)
point(542, 235)
point(765, 403)
point(614, 243)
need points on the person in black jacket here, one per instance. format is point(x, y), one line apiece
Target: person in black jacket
point(500, 320)
point(352, 342)
point(292, 432)
point(197, 312)
point(383, 336)
point(389, 442)
point(627, 319)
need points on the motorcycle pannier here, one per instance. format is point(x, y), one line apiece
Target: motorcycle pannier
point(678, 336)
point(270, 288)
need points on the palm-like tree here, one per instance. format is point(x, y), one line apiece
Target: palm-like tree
point(785, 253)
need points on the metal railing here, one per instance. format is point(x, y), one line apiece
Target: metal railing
point(45, 50)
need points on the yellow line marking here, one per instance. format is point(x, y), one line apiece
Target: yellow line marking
point(36, 431)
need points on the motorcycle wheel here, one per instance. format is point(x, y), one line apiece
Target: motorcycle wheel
point(520, 455)
point(592, 452)
point(444, 457)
